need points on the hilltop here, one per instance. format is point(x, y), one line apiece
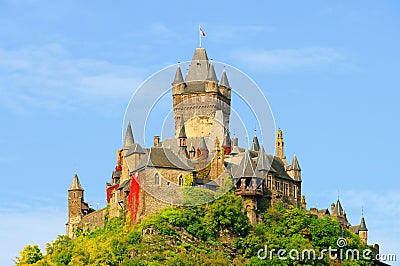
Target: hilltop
point(213, 234)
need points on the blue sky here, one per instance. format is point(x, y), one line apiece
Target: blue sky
point(329, 69)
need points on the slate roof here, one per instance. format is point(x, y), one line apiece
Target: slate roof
point(163, 157)
point(199, 66)
point(135, 149)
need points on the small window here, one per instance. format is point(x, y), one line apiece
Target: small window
point(203, 99)
point(156, 179)
point(180, 180)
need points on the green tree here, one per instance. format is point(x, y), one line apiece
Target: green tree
point(29, 255)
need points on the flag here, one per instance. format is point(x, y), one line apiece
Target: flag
point(202, 32)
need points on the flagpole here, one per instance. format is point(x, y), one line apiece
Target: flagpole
point(200, 35)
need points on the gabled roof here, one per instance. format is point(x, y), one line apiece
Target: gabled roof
point(178, 76)
point(128, 141)
point(75, 185)
point(135, 149)
point(224, 80)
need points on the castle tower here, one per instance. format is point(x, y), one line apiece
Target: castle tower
point(363, 231)
point(294, 169)
point(280, 146)
point(75, 202)
point(199, 96)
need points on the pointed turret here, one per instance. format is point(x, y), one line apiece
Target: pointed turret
point(363, 226)
point(256, 145)
point(75, 185)
point(338, 209)
point(128, 141)
point(295, 164)
point(294, 169)
point(211, 76)
point(178, 76)
point(224, 80)
point(363, 231)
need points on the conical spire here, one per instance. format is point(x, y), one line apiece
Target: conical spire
point(211, 76)
point(178, 76)
point(128, 141)
point(363, 227)
point(224, 80)
point(182, 132)
point(338, 208)
point(75, 185)
point(256, 145)
point(295, 164)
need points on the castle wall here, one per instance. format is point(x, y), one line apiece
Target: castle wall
point(94, 219)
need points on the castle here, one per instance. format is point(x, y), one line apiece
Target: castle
point(201, 156)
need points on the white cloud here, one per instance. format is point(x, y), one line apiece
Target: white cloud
point(287, 59)
point(48, 77)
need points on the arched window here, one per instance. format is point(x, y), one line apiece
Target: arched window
point(156, 179)
point(180, 180)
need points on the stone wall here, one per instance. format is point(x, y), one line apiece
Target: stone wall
point(94, 219)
